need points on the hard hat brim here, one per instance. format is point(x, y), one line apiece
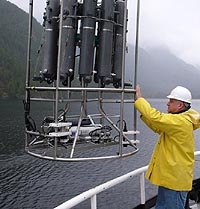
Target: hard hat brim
point(173, 97)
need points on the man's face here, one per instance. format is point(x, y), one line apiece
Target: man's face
point(174, 105)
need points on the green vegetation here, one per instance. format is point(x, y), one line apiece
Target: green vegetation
point(159, 69)
point(13, 48)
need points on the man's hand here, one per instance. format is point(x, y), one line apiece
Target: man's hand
point(138, 92)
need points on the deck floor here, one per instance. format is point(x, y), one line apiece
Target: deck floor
point(196, 206)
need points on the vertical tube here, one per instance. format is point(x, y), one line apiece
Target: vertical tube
point(68, 41)
point(29, 43)
point(59, 61)
point(142, 188)
point(94, 202)
point(51, 38)
point(27, 97)
point(105, 49)
point(123, 72)
point(58, 75)
point(136, 42)
point(77, 132)
point(136, 61)
point(118, 43)
point(88, 24)
point(84, 96)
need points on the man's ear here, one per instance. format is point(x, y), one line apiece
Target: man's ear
point(181, 105)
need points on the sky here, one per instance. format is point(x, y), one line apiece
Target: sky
point(174, 24)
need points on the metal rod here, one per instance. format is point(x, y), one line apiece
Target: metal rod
point(124, 45)
point(142, 188)
point(81, 159)
point(68, 95)
point(136, 61)
point(114, 126)
point(28, 60)
point(55, 144)
point(123, 75)
point(84, 97)
point(137, 42)
point(59, 61)
point(29, 43)
point(77, 132)
point(81, 89)
point(80, 100)
point(58, 79)
point(93, 202)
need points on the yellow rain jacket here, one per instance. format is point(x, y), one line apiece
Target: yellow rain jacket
point(172, 162)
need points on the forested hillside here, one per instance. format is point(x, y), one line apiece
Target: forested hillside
point(13, 48)
point(159, 70)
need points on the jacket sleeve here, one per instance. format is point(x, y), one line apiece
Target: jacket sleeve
point(143, 107)
point(154, 119)
point(150, 125)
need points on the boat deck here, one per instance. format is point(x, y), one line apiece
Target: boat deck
point(196, 206)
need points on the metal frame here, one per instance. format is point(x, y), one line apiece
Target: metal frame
point(83, 101)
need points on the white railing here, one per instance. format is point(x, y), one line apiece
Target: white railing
point(92, 193)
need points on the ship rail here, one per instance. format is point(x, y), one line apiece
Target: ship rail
point(92, 193)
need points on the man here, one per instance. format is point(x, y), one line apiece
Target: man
point(172, 162)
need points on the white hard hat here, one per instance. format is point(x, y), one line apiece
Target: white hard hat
point(181, 93)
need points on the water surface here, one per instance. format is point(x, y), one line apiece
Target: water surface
point(27, 182)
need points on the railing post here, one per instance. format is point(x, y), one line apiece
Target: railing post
point(142, 188)
point(94, 202)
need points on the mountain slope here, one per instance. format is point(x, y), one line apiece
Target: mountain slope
point(13, 48)
point(159, 71)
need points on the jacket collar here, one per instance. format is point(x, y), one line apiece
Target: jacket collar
point(181, 111)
